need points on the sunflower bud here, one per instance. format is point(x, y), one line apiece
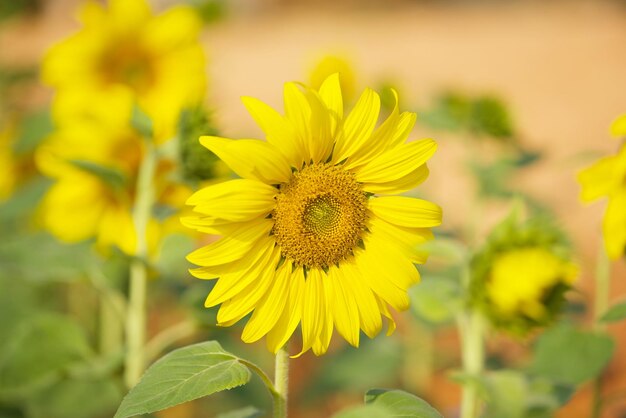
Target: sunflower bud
point(520, 277)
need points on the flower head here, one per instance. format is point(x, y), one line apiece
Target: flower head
point(125, 54)
point(94, 189)
point(520, 277)
point(313, 232)
point(607, 177)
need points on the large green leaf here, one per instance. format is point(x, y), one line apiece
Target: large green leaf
point(383, 403)
point(615, 313)
point(569, 356)
point(184, 375)
point(401, 404)
point(67, 399)
point(39, 349)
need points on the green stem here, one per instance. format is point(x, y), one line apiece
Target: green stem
point(281, 384)
point(471, 329)
point(601, 305)
point(471, 326)
point(135, 361)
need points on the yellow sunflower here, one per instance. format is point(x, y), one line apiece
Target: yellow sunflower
point(607, 177)
point(524, 282)
point(125, 54)
point(94, 185)
point(313, 232)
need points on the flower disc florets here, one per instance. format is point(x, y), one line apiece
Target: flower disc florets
point(320, 215)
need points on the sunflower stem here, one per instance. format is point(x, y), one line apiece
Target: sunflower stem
point(601, 305)
point(471, 329)
point(281, 384)
point(135, 360)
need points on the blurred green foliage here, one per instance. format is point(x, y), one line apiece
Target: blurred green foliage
point(481, 116)
point(198, 163)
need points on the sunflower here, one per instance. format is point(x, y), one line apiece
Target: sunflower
point(94, 185)
point(525, 282)
point(521, 275)
point(607, 177)
point(125, 54)
point(313, 232)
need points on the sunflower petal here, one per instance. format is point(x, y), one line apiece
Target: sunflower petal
point(230, 284)
point(330, 92)
point(290, 318)
point(406, 211)
point(344, 308)
point(396, 163)
point(400, 185)
point(369, 315)
point(614, 225)
point(233, 247)
point(598, 180)
point(270, 307)
point(313, 309)
point(250, 158)
point(278, 130)
point(236, 200)
point(358, 126)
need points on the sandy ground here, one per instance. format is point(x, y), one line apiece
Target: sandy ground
point(560, 65)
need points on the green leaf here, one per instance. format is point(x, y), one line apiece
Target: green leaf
point(401, 404)
point(436, 299)
point(615, 313)
point(111, 176)
point(67, 399)
point(184, 375)
point(507, 393)
point(568, 356)
point(33, 129)
point(142, 123)
point(63, 262)
point(248, 412)
point(39, 349)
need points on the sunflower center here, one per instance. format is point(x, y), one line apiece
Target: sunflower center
point(128, 64)
point(320, 215)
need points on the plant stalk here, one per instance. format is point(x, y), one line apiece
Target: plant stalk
point(281, 384)
point(471, 326)
point(135, 360)
point(601, 305)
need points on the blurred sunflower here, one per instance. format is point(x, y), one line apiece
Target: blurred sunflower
point(8, 175)
point(94, 189)
point(125, 54)
point(607, 177)
point(521, 275)
point(305, 238)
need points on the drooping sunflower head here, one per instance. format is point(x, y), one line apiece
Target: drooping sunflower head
point(520, 277)
point(126, 54)
point(314, 232)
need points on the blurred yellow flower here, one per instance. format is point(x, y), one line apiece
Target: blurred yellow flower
point(125, 54)
point(8, 174)
point(618, 127)
point(331, 64)
point(522, 280)
point(607, 177)
point(95, 168)
point(306, 239)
